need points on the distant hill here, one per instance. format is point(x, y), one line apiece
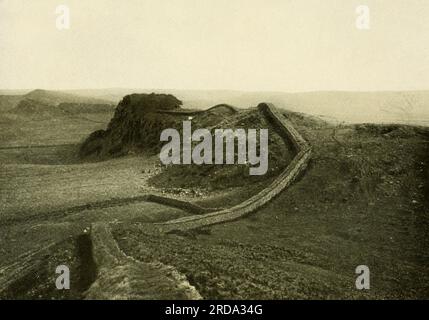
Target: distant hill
point(406, 107)
point(55, 103)
point(57, 97)
point(40, 108)
point(10, 100)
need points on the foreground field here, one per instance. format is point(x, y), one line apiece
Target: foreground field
point(363, 200)
point(40, 201)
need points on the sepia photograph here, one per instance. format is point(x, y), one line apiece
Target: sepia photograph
point(220, 150)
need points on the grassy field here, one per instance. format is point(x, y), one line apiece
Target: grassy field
point(17, 130)
point(221, 177)
point(50, 197)
point(363, 200)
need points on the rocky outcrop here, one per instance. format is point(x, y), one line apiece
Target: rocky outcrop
point(136, 124)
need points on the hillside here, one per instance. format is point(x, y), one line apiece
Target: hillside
point(363, 200)
point(137, 125)
point(8, 102)
point(57, 97)
point(41, 99)
point(219, 177)
point(43, 117)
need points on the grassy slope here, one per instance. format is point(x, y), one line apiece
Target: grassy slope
point(221, 177)
point(364, 200)
point(46, 124)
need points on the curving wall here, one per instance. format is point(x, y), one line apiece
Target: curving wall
point(180, 204)
point(303, 153)
point(155, 280)
point(196, 112)
point(122, 277)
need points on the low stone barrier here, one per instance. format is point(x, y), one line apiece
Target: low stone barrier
point(285, 128)
point(120, 277)
point(196, 112)
point(183, 205)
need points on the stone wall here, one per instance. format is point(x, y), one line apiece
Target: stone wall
point(183, 205)
point(196, 112)
point(120, 277)
point(285, 128)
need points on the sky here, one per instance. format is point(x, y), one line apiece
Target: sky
point(252, 45)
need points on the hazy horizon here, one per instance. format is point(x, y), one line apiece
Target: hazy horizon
point(409, 107)
point(208, 89)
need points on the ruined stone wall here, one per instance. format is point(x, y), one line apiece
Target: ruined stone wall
point(183, 205)
point(122, 277)
point(196, 112)
point(285, 128)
